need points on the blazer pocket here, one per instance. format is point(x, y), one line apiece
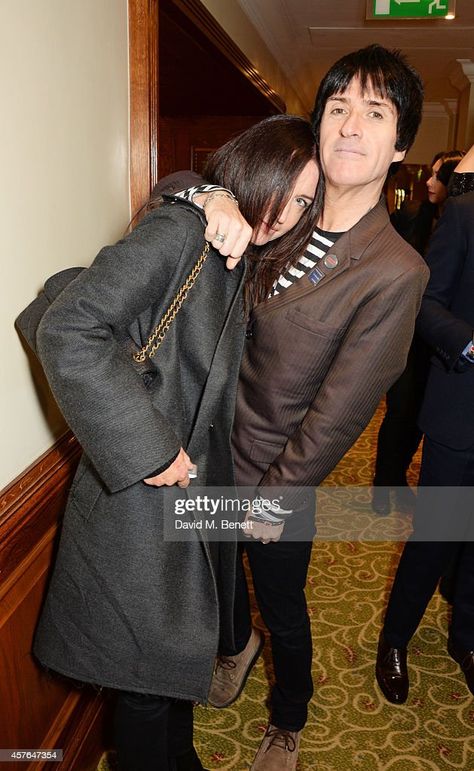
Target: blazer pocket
point(86, 489)
point(316, 327)
point(264, 452)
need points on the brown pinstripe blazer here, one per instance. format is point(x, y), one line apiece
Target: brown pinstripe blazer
point(318, 358)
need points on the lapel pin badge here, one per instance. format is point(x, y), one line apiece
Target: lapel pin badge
point(330, 261)
point(315, 276)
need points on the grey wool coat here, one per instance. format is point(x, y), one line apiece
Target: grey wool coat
point(125, 608)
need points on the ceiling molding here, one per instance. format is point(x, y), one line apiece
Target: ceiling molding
point(203, 19)
point(329, 38)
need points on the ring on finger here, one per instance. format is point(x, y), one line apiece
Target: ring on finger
point(220, 237)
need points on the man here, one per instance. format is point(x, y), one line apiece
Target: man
point(320, 353)
point(443, 518)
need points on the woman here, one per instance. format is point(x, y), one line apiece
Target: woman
point(126, 609)
point(441, 171)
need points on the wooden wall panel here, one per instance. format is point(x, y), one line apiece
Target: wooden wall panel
point(144, 105)
point(37, 709)
point(178, 136)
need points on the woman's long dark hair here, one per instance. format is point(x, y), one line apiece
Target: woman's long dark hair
point(261, 167)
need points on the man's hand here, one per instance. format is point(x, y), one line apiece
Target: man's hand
point(262, 531)
point(264, 522)
point(225, 221)
point(177, 473)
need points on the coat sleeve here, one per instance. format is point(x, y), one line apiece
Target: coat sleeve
point(176, 182)
point(371, 356)
point(93, 379)
point(446, 333)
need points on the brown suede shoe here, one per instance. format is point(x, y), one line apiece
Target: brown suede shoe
point(465, 659)
point(391, 672)
point(231, 672)
point(278, 750)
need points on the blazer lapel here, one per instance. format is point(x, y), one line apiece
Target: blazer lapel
point(350, 246)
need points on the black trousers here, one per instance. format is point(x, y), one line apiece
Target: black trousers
point(279, 572)
point(441, 516)
point(154, 733)
point(399, 435)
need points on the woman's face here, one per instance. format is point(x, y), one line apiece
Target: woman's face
point(300, 198)
point(437, 192)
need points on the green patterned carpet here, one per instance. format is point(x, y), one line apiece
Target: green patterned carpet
point(350, 724)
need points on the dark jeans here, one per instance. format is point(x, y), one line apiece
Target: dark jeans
point(154, 733)
point(399, 435)
point(279, 573)
point(439, 512)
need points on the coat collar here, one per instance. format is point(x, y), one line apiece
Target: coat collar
point(187, 204)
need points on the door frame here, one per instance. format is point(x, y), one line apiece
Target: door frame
point(144, 84)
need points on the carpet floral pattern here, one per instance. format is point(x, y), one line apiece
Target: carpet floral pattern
point(350, 725)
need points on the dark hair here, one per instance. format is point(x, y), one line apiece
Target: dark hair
point(449, 161)
point(261, 166)
point(389, 74)
point(436, 158)
point(414, 221)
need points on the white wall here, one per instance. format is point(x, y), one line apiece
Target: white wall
point(64, 166)
point(433, 135)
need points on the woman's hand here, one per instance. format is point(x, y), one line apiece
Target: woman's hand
point(225, 221)
point(177, 473)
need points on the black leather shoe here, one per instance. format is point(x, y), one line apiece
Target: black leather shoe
point(381, 501)
point(465, 659)
point(391, 672)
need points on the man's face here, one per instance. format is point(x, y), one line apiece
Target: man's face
point(357, 138)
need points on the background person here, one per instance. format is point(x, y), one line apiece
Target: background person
point(399, 435)
point(127, 609)
point(443, 533)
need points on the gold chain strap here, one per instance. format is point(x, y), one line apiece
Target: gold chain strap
point(159, 332)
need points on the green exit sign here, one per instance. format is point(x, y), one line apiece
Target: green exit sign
point(411, 9)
